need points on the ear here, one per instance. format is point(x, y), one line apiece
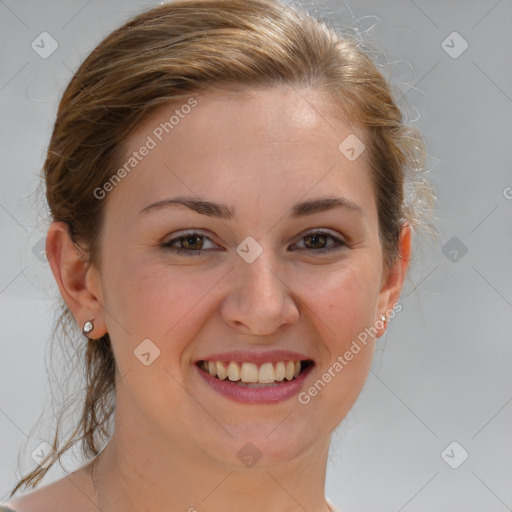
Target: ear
point(78, 281)
point(393, 279)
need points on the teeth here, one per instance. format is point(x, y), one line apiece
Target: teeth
point(249, 372)
point(233, 371)
point(290, 370)
point(280, 371)
point(266, 373)
point(221, 371)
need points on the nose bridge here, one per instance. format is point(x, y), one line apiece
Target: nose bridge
point(260, 278)
point(260, 298)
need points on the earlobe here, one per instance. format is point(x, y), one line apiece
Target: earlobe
point(72, 272)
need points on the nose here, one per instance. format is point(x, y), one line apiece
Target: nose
point(260, 301)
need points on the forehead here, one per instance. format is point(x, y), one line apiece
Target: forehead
point(277, 143)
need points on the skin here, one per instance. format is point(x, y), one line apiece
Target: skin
point(176, 440)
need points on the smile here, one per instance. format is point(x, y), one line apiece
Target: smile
point(255, 383)
point(251, 373)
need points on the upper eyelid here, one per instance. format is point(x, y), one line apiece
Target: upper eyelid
point(321, 231)
point(184, 234)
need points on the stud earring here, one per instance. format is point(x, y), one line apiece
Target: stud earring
point(88, 327)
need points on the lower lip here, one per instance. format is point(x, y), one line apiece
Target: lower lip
point(263, 395)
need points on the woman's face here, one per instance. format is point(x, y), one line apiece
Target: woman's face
point(180, 285)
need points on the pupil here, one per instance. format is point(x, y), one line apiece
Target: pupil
point(315, 237)
point(190, 239)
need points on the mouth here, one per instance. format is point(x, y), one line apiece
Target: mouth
point(255, 383)
point(248, 374)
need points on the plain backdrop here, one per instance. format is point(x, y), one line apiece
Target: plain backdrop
point(431, 429)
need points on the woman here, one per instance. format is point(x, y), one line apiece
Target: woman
point(230, 233)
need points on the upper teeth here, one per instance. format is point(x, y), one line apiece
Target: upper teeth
point(249, 372)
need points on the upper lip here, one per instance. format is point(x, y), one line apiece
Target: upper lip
point(260, 357)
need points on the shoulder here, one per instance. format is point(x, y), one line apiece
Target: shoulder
point(74, 491)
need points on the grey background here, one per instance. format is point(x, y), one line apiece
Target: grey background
point(442, 373)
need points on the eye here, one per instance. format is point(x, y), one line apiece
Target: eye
point(320, 237)
point(189, 244)
point(192, 243)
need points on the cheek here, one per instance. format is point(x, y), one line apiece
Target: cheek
point(344, 301)
point(154, 301)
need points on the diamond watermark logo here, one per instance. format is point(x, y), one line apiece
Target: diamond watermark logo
point(39, 250)
point(44, 45)
point(351, 147)
point(249, 455)
point(249, 249)
point(454, 249)
point(454, 455)
point(454, 45)
point(42, 451)
point(146, 352)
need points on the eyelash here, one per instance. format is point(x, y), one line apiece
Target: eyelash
point(188, 252)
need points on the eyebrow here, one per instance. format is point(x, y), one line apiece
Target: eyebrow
point(222, 211)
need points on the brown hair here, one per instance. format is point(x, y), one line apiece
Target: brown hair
point(182, 48)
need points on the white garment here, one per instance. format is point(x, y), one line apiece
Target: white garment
point(331, 505)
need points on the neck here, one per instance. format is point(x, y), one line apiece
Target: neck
point(172, 478)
